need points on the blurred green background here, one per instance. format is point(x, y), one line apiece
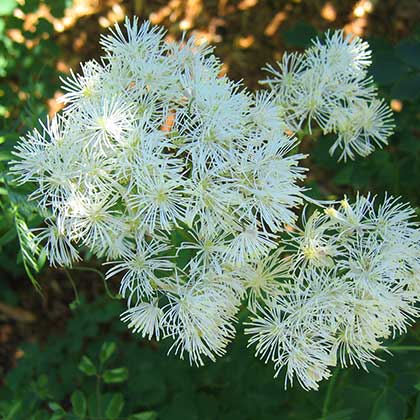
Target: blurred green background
point(64, 354)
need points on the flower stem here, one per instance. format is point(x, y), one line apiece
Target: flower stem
point(328, 396)
point(73, 285)
point(98, 395)
point(403, 348)
point(94, 270)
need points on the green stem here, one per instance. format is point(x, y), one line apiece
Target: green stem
point(403, 348)
point(34, 281)
point(328, 396)
point(98, 395)
point(73, 285)
point(94, 270)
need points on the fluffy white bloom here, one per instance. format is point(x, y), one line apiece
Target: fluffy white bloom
point(141, 269)
point(351, 286)
point(144, 318)
point(81, 87)
point(328, 84)
point(209, 243)
point(60, 251)
point(265, 278)
point(185, 184)
point(199, 318)
point(180, 179)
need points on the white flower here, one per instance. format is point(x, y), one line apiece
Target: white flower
point(289, 70)
point(268, 332)
point(314, 246)
point(93, 218)
point(212, 196)
point(351, 287)
point(197, 319)
point(209, 244)
point(346, 55)
point(106, 123)
point(145, 318)
point(141, 269)
point(328, 84)
point(82, 88)
point(143, 40)
point(157, 199)
point(360, 127)
point(33, 150)
point(248, 244)
point(264, 278)
point(60, 251)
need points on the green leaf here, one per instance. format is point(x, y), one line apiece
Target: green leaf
point(8, 236)
point(42, 381)
point(93, 406)
point(405, 383)
point(107, 350)
point(17, 405)
point(358, 398)
point(417, 408)
point(44, 26)
point(57, 416)
point(146, 415)
point(407, 88)
point(344, 176)
point(299, 35)
point(87, 367)
point(5, 155)
point(115, 376)
point(409, 52)
point(387, 68)
point(54, 406)
point(42, 258)
point(7, 7)
point(30, 6)
point(78, 402)
point(74, 305)
point(115, 406)
point(345, 414)
point(28, 248)
point(390, 405)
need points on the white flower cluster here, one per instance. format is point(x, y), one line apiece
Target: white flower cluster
point(183, 182)
point(153, 144)
point(328, 83)
point(354, 281)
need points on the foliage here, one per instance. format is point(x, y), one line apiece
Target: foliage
point(76, 373)
point(27, 65)
point(28, 77)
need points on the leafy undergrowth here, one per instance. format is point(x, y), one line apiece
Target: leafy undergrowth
point(94, 369)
